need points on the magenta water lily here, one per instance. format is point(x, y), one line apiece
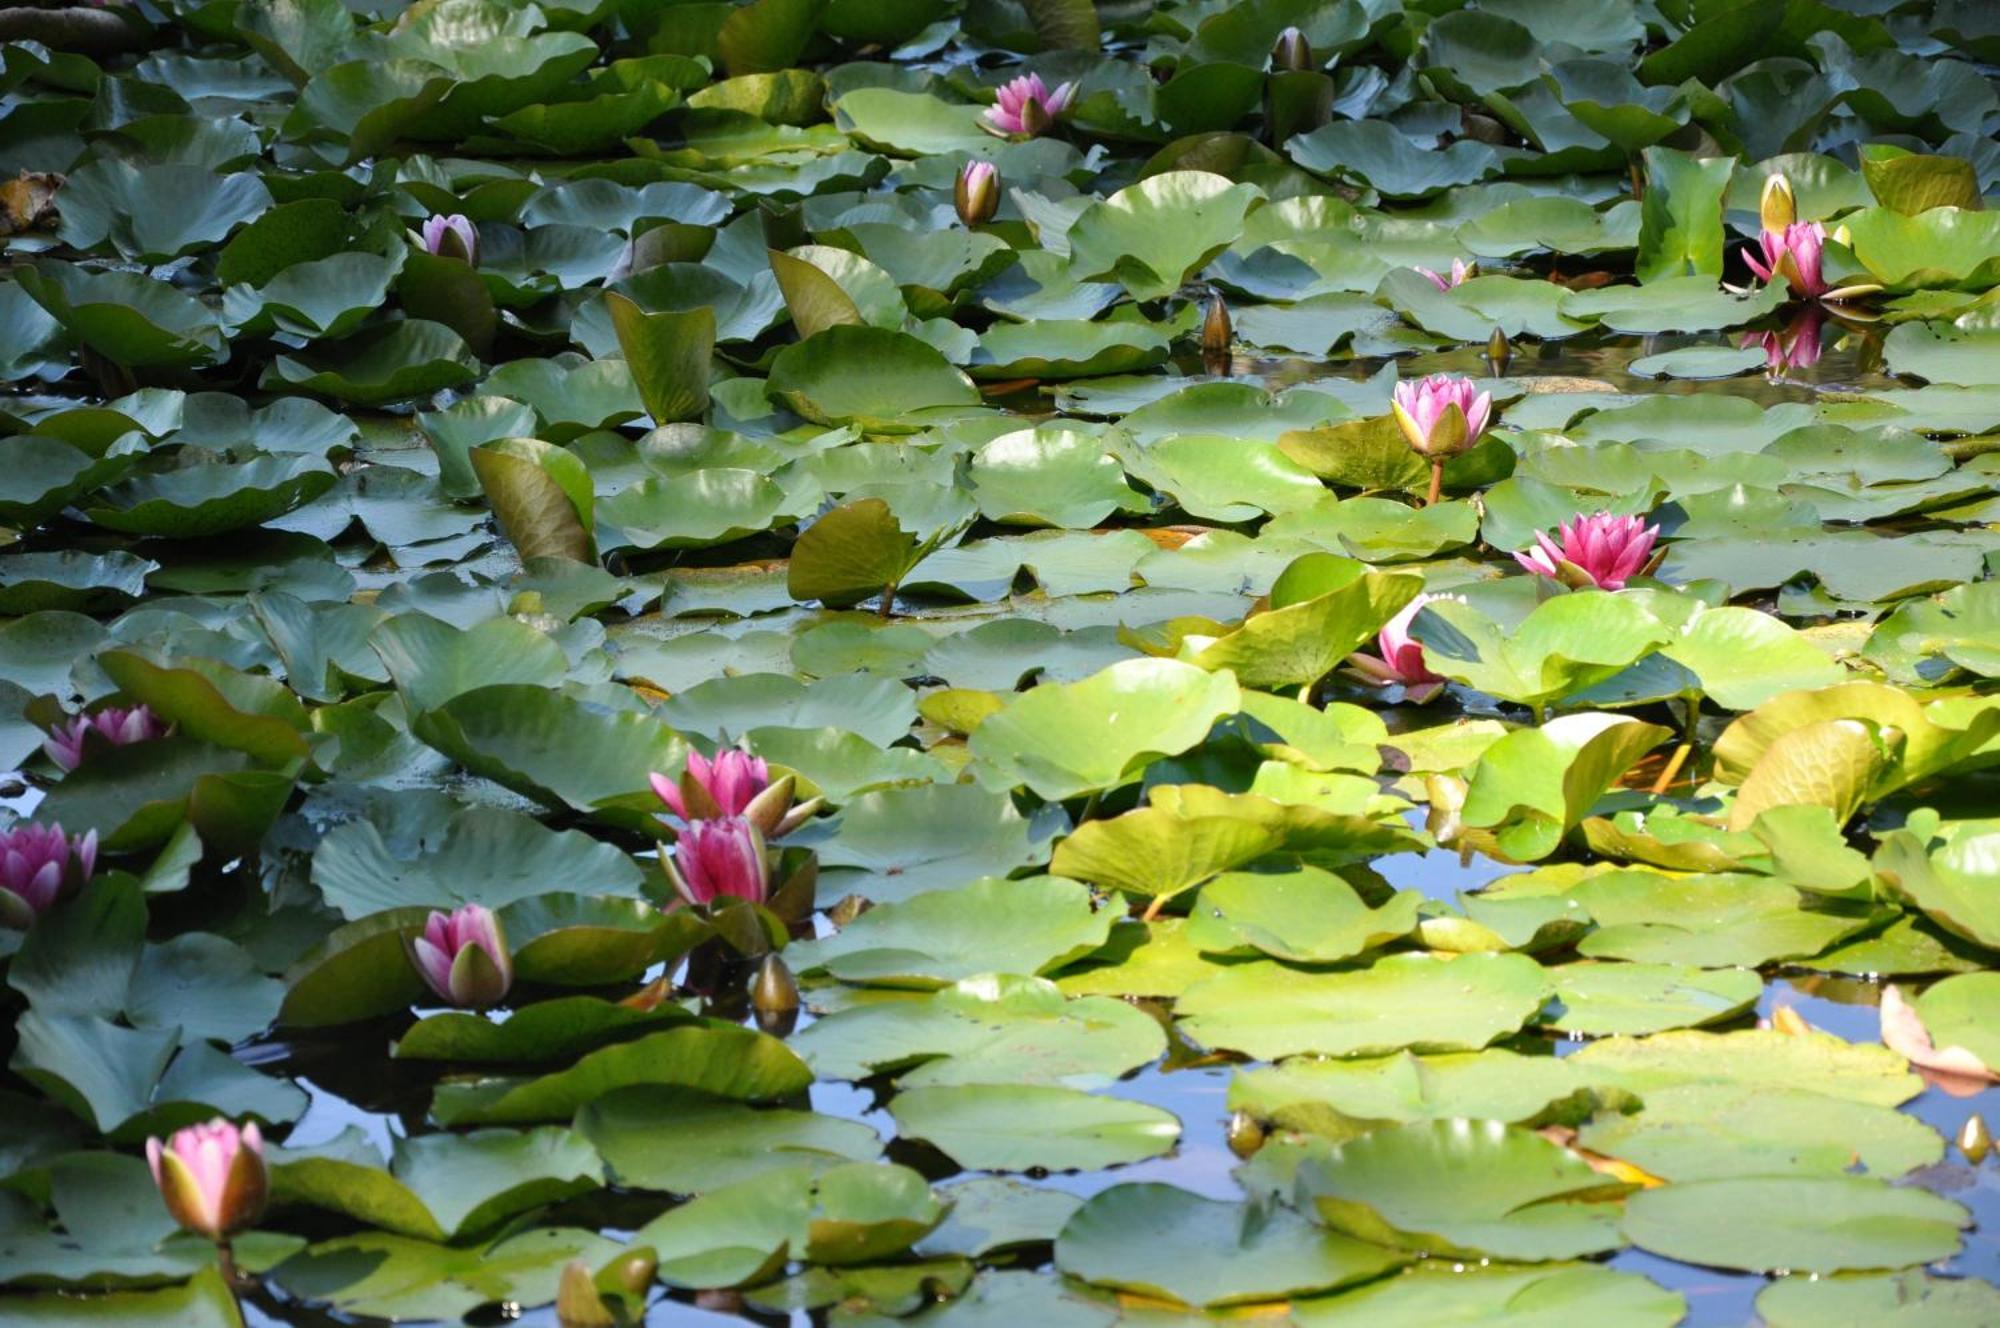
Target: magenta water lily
point(722, 857)
point(452, 236)
point(212, 1177)
point(67, 743)
point(39, 864)
point(1025, 105)
point(1793, 257)
point(463, 957)
point(734, 783)
point(1600, 550)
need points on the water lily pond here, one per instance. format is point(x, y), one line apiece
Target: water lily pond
point(1000, 663)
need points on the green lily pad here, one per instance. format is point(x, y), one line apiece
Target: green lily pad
point(1166, 1243)
point(937, 938)
point(1415, 1001)
point(1464, 1189)
point(1815, 1224)
point(1022, 1127)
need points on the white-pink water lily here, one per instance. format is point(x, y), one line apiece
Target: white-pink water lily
point(1604, 550)
point(452, 237)
point(39, 864)
point(212, 1177)
point(1793, 257)
point(1461, 272)
point(1025, 105)
point(463, 957)
point(1421, 406)
point(720, 857)
point(117, 725)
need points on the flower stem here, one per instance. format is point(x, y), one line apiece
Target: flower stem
point(1681, 753)
point(1437, 483)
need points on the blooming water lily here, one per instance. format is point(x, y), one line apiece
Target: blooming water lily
point(1601, 550)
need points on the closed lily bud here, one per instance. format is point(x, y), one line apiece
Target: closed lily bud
point(977, 193)
point(1974, 1139)
point(1291, 51)
point(634, 1271)
point(578, 1305)
point(714, 858)
point(1499, 351)
point(1245, 1134)
point(462, 956)
point(1777, 209)
point(774, 995)
point(1217, 331)
point(212, 1177)
point(452, 237)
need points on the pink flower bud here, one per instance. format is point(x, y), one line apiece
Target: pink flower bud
point(719, 857)
point(462, 956)
point(212, 1177)
point(452, 237)
point(977, 193)
point(1602, 550)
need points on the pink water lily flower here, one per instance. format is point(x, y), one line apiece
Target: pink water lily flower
point(735, 783)
point(717, 858)
point(38, 866)
point(1461, 272)
point(1792, 257)
point(1401, 661)
point(1420, 406)
point(452, 237)
point(1601, 550)
point(462, 956)
point(117, 725)
point(1026, 106)
point(212, 1177)
point(722, 787)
